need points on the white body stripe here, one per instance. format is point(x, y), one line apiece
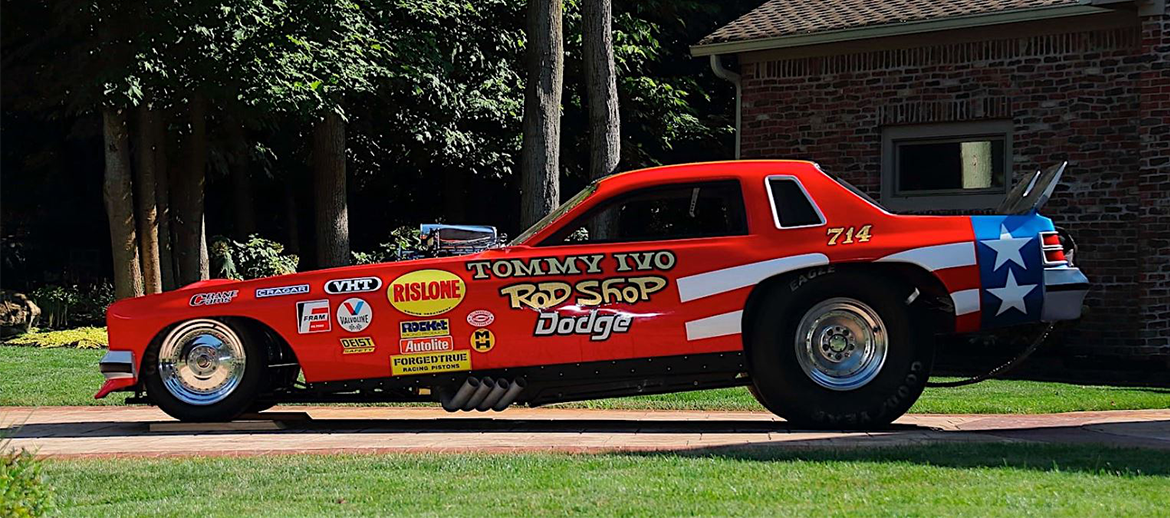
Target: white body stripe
point(966, 301)
point(937, 257)
point(728, 279)
point(718, 325)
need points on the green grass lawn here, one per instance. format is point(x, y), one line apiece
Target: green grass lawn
point(1007, 480)
point(61, 376)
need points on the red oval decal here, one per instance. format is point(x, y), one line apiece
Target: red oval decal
point(480, 318)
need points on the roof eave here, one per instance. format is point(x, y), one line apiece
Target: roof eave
point(895, 29)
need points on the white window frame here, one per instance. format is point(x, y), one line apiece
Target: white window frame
point(949, 199)
point(807, 196)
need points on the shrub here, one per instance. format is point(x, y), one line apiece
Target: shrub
point(255, 258)
point(88, 337)
point(402, 240)
point(23, 491)
point(72, 305)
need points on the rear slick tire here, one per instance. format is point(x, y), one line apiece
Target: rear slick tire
point(205, 370)
point(840, 351)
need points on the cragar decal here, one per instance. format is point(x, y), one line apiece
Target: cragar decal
point(425, 293)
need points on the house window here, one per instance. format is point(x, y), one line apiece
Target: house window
point(957, 166)
point(684, 211)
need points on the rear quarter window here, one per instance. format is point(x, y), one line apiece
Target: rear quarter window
point(791, 205)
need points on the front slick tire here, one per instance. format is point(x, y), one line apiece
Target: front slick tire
point(863, 361)
point(205, 370)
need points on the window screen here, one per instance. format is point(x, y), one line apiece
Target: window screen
point(708, 209)
point(958, 165)
point(792, 206)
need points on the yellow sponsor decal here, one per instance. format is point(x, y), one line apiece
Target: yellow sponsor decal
point(430, 362)
point(425, 293)
point(357, 345)
point(483, 340)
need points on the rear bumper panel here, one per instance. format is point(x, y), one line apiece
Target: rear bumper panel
point(1064, 293)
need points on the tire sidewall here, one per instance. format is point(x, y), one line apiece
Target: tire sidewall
point(787, 390)
point(239, 401)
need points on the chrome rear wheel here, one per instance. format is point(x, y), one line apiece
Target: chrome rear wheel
point(201, 362)
point(841, 343)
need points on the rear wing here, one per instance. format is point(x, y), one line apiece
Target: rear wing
point(1027, 197)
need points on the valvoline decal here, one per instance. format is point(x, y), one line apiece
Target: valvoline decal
point(424, 293)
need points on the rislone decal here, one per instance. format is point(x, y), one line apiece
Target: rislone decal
point(718, 325)
point(742, 276)
point(936, 257)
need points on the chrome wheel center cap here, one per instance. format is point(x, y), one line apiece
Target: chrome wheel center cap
point(202, 360)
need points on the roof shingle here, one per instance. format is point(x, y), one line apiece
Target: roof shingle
point(779, 18)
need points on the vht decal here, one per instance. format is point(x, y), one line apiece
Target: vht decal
point(424, 293)
point(353, 285)
point(596, 325)
point(430, 362)
point(358, 345)
point(590, 292)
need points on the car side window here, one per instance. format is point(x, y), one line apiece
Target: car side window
point(791, 206)
point(683, 211)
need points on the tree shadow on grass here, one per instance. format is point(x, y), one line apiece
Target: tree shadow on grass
point(1080, 458)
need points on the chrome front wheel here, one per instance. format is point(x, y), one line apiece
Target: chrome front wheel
point(201, 362)
point(841, 343)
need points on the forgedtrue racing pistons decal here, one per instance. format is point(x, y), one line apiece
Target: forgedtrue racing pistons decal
point(579, 307)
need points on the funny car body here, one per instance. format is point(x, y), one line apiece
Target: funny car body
point(767, 274)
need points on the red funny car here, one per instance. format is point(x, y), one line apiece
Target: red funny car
point(766, 274)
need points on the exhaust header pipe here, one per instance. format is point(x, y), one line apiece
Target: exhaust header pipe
point(482, 395)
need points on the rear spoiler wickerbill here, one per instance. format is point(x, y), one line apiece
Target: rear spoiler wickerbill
point(1028, 196)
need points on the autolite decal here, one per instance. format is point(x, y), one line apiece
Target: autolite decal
point(425, 293)
point(357, 345)
point(215, 297)
point(430, 362)
point(426, 345)
point(424, 328)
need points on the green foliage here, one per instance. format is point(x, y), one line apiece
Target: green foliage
point(88, 337)
point(23, 490)
point(64, 306)
point(402, 239)
point(257, 257)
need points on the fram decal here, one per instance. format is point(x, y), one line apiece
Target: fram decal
point(425, 293)
point(424, 328)
point(354, 315)
point(357, 345)
point(426, 345)
point(352, 285)
point(215, 297)
point(430, 362)
point(299, 289)
point(481, 318)
point(596, 325)
point(313, 317)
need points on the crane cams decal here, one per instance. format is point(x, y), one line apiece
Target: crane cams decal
point(425, 293)
point(352, 285)
point(354, 315)
point(299, 289)
point(215, 297)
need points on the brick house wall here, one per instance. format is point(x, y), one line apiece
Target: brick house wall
point(1099, 98)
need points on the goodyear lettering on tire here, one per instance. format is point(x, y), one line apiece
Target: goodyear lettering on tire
point(430, 362)
point(425, 293)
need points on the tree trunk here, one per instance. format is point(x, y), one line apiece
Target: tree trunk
point(119, 199)
point(329, 186)
point(540, 150)
point(601, 88)
point(191, 241)
point(147, 204)
point(242, 204)
point(162, 195)
point(291, 223)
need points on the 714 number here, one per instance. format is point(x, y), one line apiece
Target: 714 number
point(851, 235)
